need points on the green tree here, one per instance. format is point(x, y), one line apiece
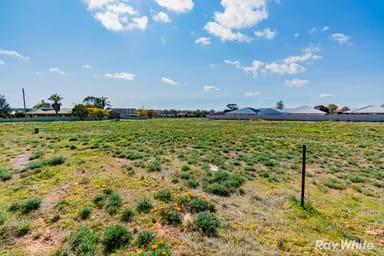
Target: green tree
point(4, 107)
point(81, 111)
point(56, 105)
point(42, 104)
point(98, 102)
point(279, 105)
point(332, 107)
point(231, 107)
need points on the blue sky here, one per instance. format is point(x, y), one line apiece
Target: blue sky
point(190, 54)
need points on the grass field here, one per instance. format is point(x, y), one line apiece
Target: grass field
point(189, 187)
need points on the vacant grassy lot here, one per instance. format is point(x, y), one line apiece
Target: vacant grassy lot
point(189, 187)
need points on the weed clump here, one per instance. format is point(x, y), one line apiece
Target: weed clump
point(334, 183)
point(84, 241)
point(144, 205)
point(115, 237)
point(207, 223)
point(30, 205)
point(144, 238)
point(164, 195)
point(99, 200)
point(154, 166)
point(221, 183)
point(85, 213)
point(127, 215)
point(5, 175)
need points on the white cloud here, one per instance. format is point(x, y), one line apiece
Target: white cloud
point(296, 83)
point(203, 41)
point(57, 71)
point(237, 15)
point(94, 4)
point(308, 55)
point(312, 30)
point(87, 66)
point(116, 15)
point(327, 95)
point(296, 35)
point(121, 76)
point(13, 54)
point(284, 68)
point(2, 62)
point(289, 65)
point(255, 68)
point(178, 6)
point(325, 28)
point(340, 38)
point(210, 88)
point(37, 73)
point(266, 33)
point(212, 65)
point(235, 63)
point(168, 81)
point(252, 94)
point(161, 17)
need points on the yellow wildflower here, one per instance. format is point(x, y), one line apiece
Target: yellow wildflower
point(155, 246)
point(139, 251)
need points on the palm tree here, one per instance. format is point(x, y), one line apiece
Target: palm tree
point(56, 98)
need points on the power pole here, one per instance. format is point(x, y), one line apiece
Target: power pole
point(25, 106)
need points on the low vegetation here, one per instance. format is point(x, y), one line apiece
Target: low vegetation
point(189, 187)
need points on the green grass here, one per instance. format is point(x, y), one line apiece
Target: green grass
point(241, 174)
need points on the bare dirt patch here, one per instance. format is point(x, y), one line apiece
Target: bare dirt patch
point(21, 161)
point(41, 241)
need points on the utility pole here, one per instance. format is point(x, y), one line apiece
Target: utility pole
point(303, 175)
point(25, 107)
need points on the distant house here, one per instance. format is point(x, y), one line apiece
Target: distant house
point(303, 110)
point(367, 110)
point(254, 111)
point(124, 112)
point(48, 112)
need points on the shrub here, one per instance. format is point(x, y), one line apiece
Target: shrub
point(127, 215)
point(5, 175)
point(171, 215)
point(144, 205)
point(36, 155)
point(85, 213)
point(15, 206)
point(334, 183)
point(61, 204)
point(144, 238)
point(56, 160)
point(154, 166)
point(84, 241)
point(2, 218)
point(185, 176)
point(111, 210)
point(191, 183)
point(116, 236)
point(185, 168)
point(99, 200)
point(23, 228)
point(114, 199)
point(218, 189)
point(356, 179)
point(175, 180)
point(207, 223)
point(36, 165)
point(163, 195)
point(199, 205)
point(30, 204)
point(221, 183)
